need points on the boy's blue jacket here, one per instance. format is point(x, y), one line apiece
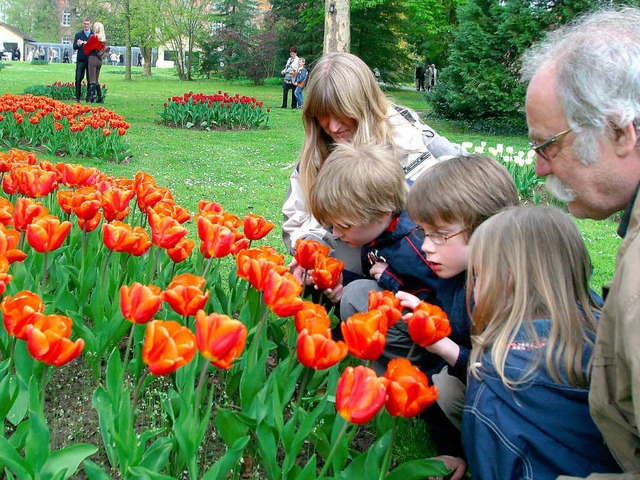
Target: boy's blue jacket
point(409, 271)
point(540, 430)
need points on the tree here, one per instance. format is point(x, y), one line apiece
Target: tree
point(34, 17)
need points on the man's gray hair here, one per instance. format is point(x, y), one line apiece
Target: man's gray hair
point(597, 58)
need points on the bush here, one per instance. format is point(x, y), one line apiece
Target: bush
point(60, 91)
point(214, 112)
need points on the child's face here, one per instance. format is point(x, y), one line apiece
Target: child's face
point(363, 235)
point(450, 258)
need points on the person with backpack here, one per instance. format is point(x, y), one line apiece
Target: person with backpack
point(301, 79)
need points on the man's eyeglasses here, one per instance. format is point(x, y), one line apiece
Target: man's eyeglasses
point(540, 149)
point(436, 237)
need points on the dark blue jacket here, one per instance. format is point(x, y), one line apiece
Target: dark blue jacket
point(539, 431)
point(80, 55)
point(409, 271)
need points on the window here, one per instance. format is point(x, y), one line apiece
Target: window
point(66, 40)
point(66, 19)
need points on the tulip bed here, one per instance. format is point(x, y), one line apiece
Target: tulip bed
point(31, 122)
point(214, 112)
point(99, 274)
point(61, 90)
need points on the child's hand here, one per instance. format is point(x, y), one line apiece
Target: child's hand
point(407, 300)
point(334, 294)
point(298, 272)
point(377, 270)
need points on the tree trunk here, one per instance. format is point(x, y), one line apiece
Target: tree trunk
point(337, 20)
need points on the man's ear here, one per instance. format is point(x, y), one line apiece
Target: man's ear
point(625, 140)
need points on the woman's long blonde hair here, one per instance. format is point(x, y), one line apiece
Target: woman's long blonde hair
point(98, 29)
point(529, 263)
point(341, 84)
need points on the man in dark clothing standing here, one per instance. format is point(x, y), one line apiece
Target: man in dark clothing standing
point(82, 62)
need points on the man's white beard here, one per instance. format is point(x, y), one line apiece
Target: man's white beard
point(559, 190)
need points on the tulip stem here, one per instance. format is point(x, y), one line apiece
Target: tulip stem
point(303, 385)
point(128, 349)
point(104, 269)
point(45, 273)
point(43, 383)
point(411, 350)
point(207, 267)
point(203, 374)
point(334, 447)
point(257, 339)
point(136, 393)
point(387, 455)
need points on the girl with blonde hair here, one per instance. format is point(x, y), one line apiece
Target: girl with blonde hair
point(344, 104)
point(97, 41)
point(526, 411)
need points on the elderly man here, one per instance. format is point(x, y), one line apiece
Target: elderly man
point(583, 112)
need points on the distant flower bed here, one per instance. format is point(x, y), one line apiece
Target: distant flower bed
point(214, 112)
point(60, 91)
point(27, 121)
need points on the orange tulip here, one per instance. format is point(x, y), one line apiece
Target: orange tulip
point(223, 218)
point(115, 203)
point(428, 324)
point(166, 232)
point(48, 340)
point(139, 303)
point(220, 339)
point(143, 243)
point(307, 251)
point(327, 271)
point(319, 351)
point(408, 392)
point(365, 334)
point(360, 394)
point(34, 182)
point(181, 251)
point(217, 240)
point(387, 303)
point(9, 185)
point(254, 265)
point(26, 210)
point(89, 225)
point(184, 294)
point(85, 202)
point(167, 346)
point(170, 208)
point(209, 206)
point(313, 318)
point(46, 233)
point(78, 176)
point(256, 227)
point(281, 293)
point(19, 311)
point(8, 242)
point(64, 200)
point(118, 236)
point(5, 278)
point(6, 212)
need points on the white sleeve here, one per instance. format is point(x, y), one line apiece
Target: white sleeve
point(297, 222)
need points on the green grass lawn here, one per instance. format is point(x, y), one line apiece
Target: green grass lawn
point(245, 171)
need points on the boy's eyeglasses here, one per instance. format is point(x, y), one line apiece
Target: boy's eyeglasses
point(540, 149)
point(437, 237)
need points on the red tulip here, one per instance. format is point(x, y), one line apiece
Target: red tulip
point(387, 303)
point(46, 233)
point(6, 212)
point(139, 303)
point(26, 210)
point(281, 293)
point(64, 200)
point(48, 340)
point(428, 324)
point(78, 176)
point(220, 339)
point(217, 240)
point(86, 202)
point(115, 203)
point(34, 182)
point(119, 236)
point(89, 225)
point(184, 294)
point(255, 264)
point(166, 232)
point(256, 227)
point(19, 311)
point(181, 251)
point(327, 271)
point(360, 394)
point(5, 278)
point(307, 251)
point(365, 334)
point(408, 392)
point(167, 346)
point(313, 318)
point(319, 351)
point(8, 242)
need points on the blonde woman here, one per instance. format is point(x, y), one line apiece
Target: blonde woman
point(526, 411)
point(96, 42)
point(344, 104)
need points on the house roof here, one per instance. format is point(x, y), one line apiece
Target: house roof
point(17, 32)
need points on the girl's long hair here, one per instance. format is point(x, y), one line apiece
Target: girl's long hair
point(529, 263)
point(341, 84)
point(98, 29)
